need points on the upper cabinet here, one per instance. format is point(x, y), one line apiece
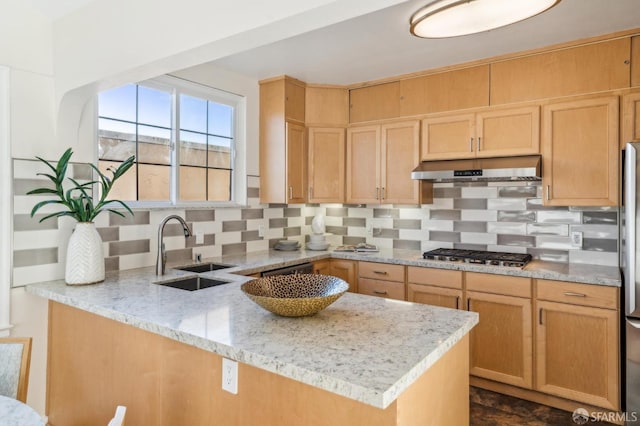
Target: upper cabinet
point(282, 141)
point(326, 165)
point(630, 119)
point(380, 159)
point(445, 91)
point(580, 152)
point(374, 102)
point(487, 133)
point(635, 61)
point(326, 106)
point(577, 70)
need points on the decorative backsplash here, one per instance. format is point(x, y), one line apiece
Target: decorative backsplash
point(487, 216)
point(496, 216)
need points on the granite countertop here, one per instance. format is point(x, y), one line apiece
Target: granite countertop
point(365, 348)
point(354, 348)
point(574, 272)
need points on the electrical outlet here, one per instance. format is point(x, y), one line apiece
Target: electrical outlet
point(260, 230)
point(230, 376)
point(199, 237)
point(576, 239)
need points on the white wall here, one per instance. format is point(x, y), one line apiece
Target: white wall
point(26, 48)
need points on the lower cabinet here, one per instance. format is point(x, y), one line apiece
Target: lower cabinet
point(577, 341)
point(381, 279)
point(344, 269)
point(438, 287)
point(502, 342)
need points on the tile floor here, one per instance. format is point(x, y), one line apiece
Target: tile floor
point(494, 409)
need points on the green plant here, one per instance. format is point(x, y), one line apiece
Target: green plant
point(78, 199)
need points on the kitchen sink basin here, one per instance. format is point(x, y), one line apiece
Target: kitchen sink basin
point(192, 283)
point(204, 267)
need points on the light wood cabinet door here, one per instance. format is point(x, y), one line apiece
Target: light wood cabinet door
point(580, 152)
point(327, 148)
point(514, 131)
point(400, 153)
point(363, 164)
point(589, 68)
point(577, 353)
point(446, 91)
point(501, 343)
point(326, 106)
point(374, 102)
point(322, 267)
point(630, 118)
point(283, 152)
point(432, 295)
point(381, 288)
point(296, 163)
point(447, 137)
point(294, 100)
point(346, 270)
point(635, 61)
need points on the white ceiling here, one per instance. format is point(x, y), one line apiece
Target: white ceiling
point(379, 44)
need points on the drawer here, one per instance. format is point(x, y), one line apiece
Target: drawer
point(388, 289)
point(433, 276)
point(381, 271)
point(499, 284)
point(578, 294)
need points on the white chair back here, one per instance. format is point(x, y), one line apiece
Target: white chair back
point(118, 419)
point(15, 354)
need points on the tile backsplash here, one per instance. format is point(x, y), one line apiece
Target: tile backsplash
point(495, 216)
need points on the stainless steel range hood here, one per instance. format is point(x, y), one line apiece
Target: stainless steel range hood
point(480, 169)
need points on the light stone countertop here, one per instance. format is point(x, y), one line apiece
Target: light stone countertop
point(573, 272)
point(365, 348)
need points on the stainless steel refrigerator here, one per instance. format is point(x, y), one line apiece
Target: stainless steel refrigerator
point(631, 274)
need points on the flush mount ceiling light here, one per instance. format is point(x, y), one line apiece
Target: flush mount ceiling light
point(451, 18)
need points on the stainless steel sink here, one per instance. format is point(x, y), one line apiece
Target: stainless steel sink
point(204, 267)
point(192, 283)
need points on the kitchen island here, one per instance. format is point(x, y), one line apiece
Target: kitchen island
point(158, 350)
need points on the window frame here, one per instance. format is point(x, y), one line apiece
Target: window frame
point(177, 86)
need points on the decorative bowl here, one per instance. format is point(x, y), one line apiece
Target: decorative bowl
point(296, 295)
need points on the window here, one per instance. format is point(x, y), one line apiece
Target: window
point(182, 134)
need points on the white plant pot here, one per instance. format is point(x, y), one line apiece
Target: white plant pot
point(85, 259)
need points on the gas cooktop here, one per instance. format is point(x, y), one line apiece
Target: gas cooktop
point(494, 258)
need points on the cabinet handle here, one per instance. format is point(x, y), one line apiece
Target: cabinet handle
point(377, 193)
point(470, 144)
point(457, 302)
point(382, 197)
point(311, 192)
point(570, 293)
point(381, 272)
point(291, 192)
point(469, 304)
point(478, 144)
point(540, 317)
point(548, 192)
point(379, 292)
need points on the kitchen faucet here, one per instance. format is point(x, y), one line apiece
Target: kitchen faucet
point(161, 260)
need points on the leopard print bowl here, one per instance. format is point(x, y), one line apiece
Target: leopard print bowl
point(296, 295)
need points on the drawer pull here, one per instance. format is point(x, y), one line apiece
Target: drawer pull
point(457, 302)
point(540, 317)
point(469, 304)
point(572, 294)
point(379, 292)
point(381, 272)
